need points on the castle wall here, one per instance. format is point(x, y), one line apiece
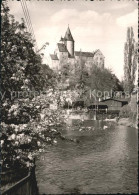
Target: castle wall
point(55, 63)
point(89, 61)
point(63, 58)
point(71, 60)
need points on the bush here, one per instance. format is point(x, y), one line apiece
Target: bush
point(27, 124)
point(125, 112)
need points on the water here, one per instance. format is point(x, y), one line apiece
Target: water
point(104, 161)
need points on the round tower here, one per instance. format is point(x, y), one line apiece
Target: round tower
point(69, 41)
point(70, 47)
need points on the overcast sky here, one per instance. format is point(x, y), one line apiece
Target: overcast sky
point(94, 25)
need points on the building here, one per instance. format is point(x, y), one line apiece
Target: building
point(65, 53)
point(98, 106)
point(78, 104)
point(115, 104)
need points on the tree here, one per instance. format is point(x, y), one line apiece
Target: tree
point(104, 80)
point(21, 66)
point(79, 78)
point(130, 61)
point(83, 79)
point(21, 69)
point(23, 76)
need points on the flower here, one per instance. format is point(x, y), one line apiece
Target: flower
point(25, 125)
point(21, 135)
point(15, 113)
point(16, 128)
point(55, 141)
point(42, 116)
point(13, 107)
point(2, 142)
point(30, 157)
point(38, 143)
point(26, 81)
point(48, 138)
point(28, 164)
point(18, 137)
point(5, 104)
point(53, 130)
point(13, 136)
point(29, 140)
point(16, 143)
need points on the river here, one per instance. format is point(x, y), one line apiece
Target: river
point(104, 161)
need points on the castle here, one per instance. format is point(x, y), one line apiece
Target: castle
point(65, 53)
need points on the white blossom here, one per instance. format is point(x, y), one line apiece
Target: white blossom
point(48, 138)
point(55, 141)
point(13, 136)
point(38, 143)
point(16, 143)
point(30, 157)
point(29, 140)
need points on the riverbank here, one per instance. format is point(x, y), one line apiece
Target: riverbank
point(127, 122)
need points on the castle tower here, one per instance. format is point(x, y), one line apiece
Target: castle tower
point(69, 41)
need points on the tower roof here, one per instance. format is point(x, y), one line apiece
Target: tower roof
point(61, 39)
point(62, 47)
point(68, 35)
point(54, 56)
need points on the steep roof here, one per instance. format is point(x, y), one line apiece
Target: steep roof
point(54, 57)
point(98, 51)
point(84, 54)
point(68, 35)
point(62, 39)
point(62, 47)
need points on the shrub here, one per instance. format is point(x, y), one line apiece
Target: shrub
point(125, 111)
point(27, 123)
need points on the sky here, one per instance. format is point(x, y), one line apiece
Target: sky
point(93, 24)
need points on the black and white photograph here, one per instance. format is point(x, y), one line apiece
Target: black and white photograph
point(69, 97)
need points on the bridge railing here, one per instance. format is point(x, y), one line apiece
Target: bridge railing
point(25, 186)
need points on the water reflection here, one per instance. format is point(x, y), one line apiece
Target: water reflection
point(104, 161)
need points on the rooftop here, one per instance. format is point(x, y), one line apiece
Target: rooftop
point(98, 51)
point(62, 39)
point(68, 35)
point(84, 54)
point(62, 47)
point(118, 100)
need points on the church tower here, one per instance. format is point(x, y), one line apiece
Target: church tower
point(69, 42)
